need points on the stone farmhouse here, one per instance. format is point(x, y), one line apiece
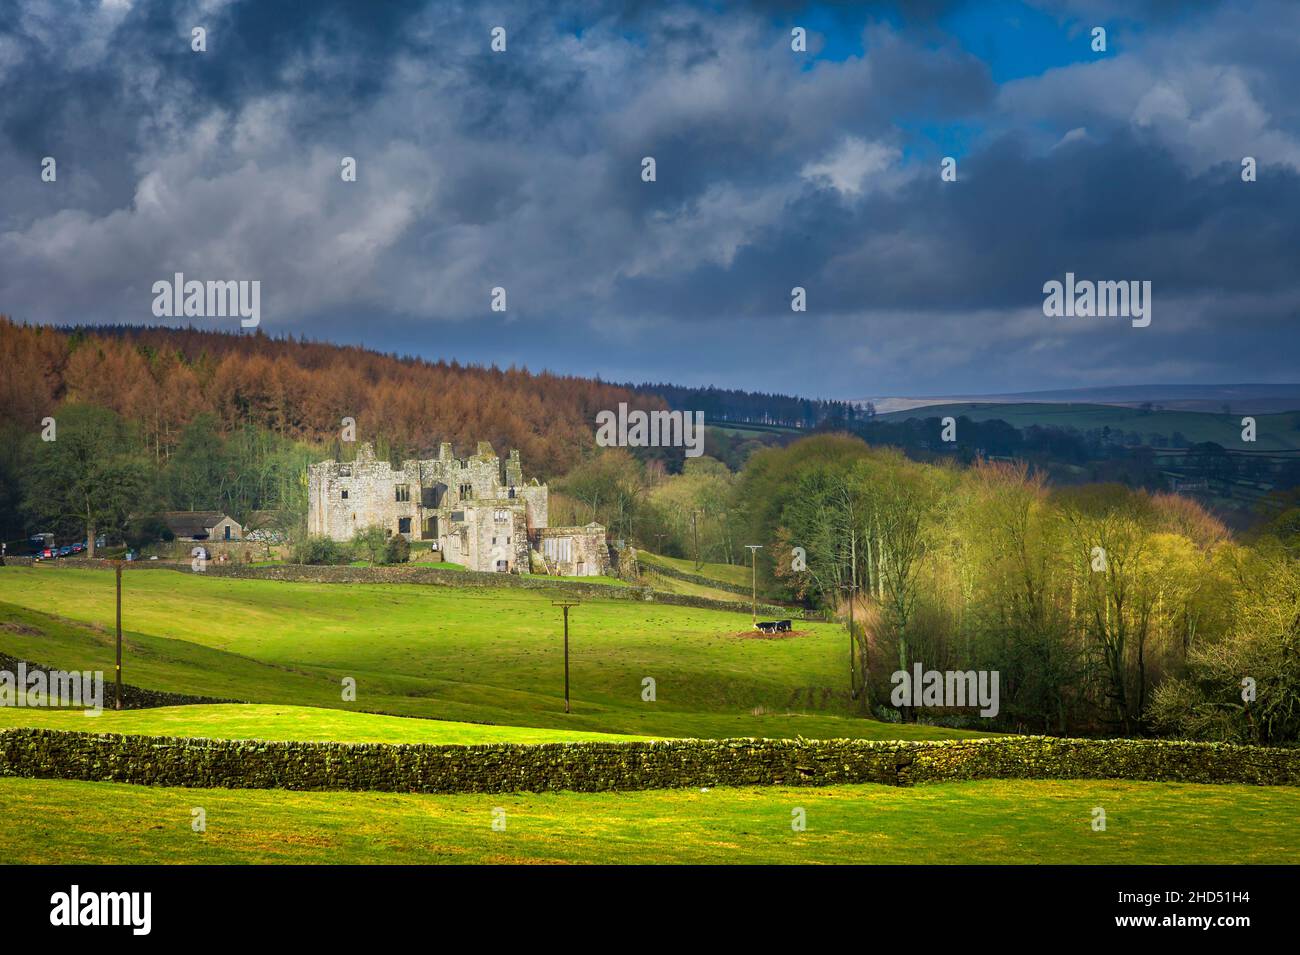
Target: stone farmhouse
point(202, 526)
point(470, 510)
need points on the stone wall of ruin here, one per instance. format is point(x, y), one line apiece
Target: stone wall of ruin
point(484, 514)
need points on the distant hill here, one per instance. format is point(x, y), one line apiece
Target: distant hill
point(1275, 432)
point(1241, 398)
point(762, 410)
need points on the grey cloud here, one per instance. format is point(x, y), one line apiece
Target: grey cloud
point(523, 170)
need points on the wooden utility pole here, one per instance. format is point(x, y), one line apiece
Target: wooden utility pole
point(566, 604)
point(117, 700)
point(753, 580)
point(695, 530)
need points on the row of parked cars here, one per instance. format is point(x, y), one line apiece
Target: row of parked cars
point(42, 547)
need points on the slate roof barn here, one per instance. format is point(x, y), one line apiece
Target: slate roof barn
point(202, 525)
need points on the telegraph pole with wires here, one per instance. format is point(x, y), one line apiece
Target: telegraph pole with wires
point(695, 530)
point(566, 604)
point(753, 580)
point(117, 696)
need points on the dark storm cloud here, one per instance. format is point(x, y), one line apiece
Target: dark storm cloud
point(1122, 209)
point(774, 169)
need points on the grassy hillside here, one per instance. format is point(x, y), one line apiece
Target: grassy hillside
point(260, 721)
point(972, 823)
point(1276, 432)
point(731, 582)
point(733, 574)
point(673, 585)
point(472, 654)
point(748, 430)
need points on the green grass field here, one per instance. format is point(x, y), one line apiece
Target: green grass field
point(1019, 822)
point(262, 721)
point(673, 585)
point(754, 430)
point(732, 574)
point(466, 654)
point(470, 657)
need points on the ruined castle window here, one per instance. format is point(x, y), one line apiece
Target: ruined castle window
point(511, 494)
point(403, 525)
point(457, 515)
point(558, 548)
point(403, 493)
point(501, 515)
point(466, 491)
point(344, 494)
point(345, 471)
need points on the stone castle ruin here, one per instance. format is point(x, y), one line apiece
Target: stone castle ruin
point(469, 510)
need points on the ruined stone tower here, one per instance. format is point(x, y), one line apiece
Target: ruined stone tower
point(469, 510)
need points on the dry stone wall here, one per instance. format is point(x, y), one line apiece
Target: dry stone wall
point(601, 766)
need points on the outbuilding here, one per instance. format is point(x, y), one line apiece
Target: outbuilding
point(202, 526)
